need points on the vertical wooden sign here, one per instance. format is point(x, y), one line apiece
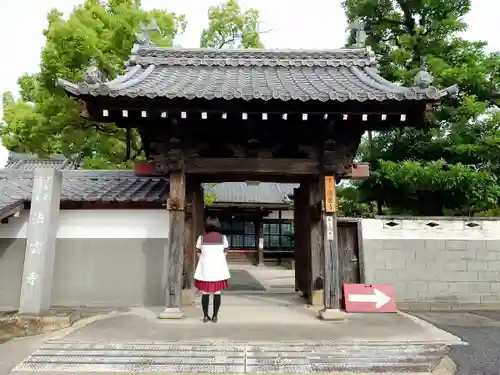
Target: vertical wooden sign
point(330, 196)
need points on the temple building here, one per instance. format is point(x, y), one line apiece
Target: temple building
point(247, 210)
point(290, 119)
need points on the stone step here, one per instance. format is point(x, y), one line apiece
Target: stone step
point(230, 358)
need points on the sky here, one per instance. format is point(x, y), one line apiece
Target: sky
point(289, 24)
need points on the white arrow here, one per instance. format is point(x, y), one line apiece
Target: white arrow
point(378, 297)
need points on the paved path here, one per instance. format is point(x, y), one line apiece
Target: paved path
point(251, 323)
point(481, 330)
point(229, 358)
point(247, 322)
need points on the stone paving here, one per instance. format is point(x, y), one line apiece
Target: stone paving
point(255, 318)
point(230, 358)
point(272, 331)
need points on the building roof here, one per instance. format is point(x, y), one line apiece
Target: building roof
point(242, 192)
point(348, 74)
point(28, 162)
point(84, 186)
point(125, 186)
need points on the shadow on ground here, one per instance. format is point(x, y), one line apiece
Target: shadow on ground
point(242, 280)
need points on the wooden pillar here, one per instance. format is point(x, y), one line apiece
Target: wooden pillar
point(198, 212)
point(296, 237)
point(260, 242)
point(198, 219)
point(302, 244)
point(190, 238)
point(174, 252)
point(194, 222)
point(331, 252)
point(316, 244)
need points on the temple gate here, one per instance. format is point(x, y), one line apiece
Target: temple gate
point(254, 115)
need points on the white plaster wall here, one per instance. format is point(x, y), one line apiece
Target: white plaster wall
point(103, 258)
point(449, 264)
point(98, 224)
point(12, 249)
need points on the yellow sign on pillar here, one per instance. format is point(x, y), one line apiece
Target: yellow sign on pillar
point(330, 196)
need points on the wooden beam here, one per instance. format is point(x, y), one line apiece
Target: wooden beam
point(255, 166)
point(273, 170)
point(413, 109)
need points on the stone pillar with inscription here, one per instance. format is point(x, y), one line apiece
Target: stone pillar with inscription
point(38, 272)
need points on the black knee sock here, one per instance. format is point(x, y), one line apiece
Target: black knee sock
point(204, 304)
point(217, 298)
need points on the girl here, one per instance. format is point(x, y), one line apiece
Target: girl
point(212, 273)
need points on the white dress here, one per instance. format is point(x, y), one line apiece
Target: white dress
point(212, 264)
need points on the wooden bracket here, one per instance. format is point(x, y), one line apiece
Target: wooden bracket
point(175, 204)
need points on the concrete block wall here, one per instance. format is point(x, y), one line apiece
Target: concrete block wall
point(435, 263)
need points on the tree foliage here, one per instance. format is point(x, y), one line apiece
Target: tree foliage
point(44, 120)
point(230, 27)
point(450, 166)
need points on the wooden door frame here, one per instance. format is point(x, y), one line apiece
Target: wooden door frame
point(361, 254)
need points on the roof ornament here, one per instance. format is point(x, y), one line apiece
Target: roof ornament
point(358, 26)
point(93, 76)
point(144, 37)
point(423, 79)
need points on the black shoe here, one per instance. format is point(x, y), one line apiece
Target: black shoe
point(215, 319)
point(206, 319)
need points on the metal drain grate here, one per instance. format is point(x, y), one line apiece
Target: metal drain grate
point(231, 358)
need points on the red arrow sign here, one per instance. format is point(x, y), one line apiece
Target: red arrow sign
point(369, 298)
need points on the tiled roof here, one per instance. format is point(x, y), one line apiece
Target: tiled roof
point(305, 75)
point(85, 186)
point(29, 162)
point(125, 186)
point(241, 192)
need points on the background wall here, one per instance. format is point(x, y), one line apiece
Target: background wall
point(115, 258)
point(441, 263)
point(103, 258)
point(12, 248)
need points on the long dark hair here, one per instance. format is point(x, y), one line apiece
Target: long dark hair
point(212, 225)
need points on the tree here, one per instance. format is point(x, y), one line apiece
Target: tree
point(44, 120)
point(230, 27)
point(445, 167)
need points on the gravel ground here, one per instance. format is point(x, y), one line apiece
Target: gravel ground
point(481, 330)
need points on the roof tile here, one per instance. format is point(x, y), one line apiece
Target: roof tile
point(336, 75)
point(241, 192)
point(29, 162)
point(125, 186)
